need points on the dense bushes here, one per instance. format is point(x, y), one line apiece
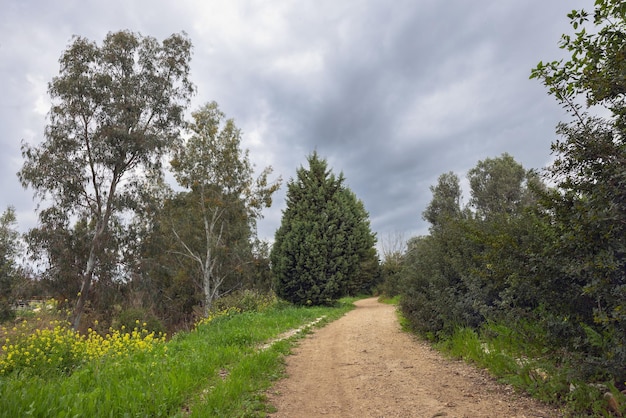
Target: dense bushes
point(523, 253)
point(535, 264)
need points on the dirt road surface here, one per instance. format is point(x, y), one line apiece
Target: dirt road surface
point(364, 365)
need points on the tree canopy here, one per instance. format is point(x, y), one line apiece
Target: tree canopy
point(324, 245)
point(117, 108)
point(223, 196)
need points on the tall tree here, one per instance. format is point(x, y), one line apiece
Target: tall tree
point(323, 238)
point(227, 198)
point(463, 272)
point(116, 109)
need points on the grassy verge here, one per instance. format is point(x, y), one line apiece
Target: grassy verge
point(522, 358)
point(219, 369)
point(389, 301)
point(530, 366)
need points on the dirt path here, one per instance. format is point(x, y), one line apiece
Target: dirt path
point(363, 365)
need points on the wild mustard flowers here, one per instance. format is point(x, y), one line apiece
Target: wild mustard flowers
point(213, 315)
point(61, 349)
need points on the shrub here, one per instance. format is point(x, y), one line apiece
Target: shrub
point(246, 301)
point(128, 319)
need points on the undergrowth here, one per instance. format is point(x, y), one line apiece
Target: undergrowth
point(220, 368)
point(522, 359)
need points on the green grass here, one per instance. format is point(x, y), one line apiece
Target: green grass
point(219, 369)
point(516, 358)
point(390, 301)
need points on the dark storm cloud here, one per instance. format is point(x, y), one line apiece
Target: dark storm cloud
point(418, 90)
point(392, 94)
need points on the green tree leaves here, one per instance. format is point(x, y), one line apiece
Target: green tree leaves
point(589, 208)
point(324, 248)
point(223, 197)
point(116, 110)
point(9, 248)
point(523, 250)
point(595, 70)
point(465, 271)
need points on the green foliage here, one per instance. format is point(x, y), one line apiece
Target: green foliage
point(595, 69)
point(446, 202)
point(9, 248)
point(246, 301)
point(589, 208)
point(180, 377)
point(520, 356)
point(392, 280)
point(531, 257)
point(116, 109)
point(324, 248)
point(393, 247)
point(223, 202)
point(128, 319)
point(498, 187)
point(540, 270)
point(199, 244)
point(436, 285)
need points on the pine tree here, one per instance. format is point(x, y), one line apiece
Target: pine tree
point(323, 240)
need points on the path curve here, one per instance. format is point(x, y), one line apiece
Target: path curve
point(364, 365)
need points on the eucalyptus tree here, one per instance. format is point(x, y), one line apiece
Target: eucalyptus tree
point(116, 109)
point(224, 197)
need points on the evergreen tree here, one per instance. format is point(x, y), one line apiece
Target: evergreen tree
point(324, 242)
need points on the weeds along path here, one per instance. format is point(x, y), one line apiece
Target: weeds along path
point(363, 365)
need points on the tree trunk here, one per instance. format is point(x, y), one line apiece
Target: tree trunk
point(87, 278)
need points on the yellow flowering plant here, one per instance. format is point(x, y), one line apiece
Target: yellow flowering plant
point(61, 349)
point(213, 315)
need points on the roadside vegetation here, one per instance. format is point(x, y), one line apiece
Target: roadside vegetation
point(219, 368)
point(144, 289)
point(526, 276)
point(160, 285)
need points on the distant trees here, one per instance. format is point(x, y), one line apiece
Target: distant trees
point(446, 202)
point(392, 247)
point(324, 248)
point(463, 272)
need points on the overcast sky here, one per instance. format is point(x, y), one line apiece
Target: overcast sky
point(391, 93)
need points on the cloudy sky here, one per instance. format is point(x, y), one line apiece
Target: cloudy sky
point(392, 94)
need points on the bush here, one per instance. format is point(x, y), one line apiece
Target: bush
point(246, 301)
point(132, 317)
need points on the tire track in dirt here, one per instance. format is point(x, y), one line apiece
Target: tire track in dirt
point(364, 365)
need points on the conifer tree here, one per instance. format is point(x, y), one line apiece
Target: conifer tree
point(323, 240)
